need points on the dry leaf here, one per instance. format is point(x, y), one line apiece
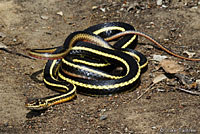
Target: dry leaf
point(159, 78)
point(159, 57)
point(171, 66)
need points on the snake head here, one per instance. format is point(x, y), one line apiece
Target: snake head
point(36, 104)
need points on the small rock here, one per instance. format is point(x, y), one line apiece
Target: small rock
point(166, 39)
point(195, 7)
point(121, 9)
point(94, 7)
point(64, 129)
point(103, 9)
point(2, 45)
point(154, 127)
point(138, 11)
point(44, 17)
point(198, 81)
point(133, 6)
point(190, 54)
point(130, 8)
point(160, 90)
point(151, 23)
point(198, 84)
point(159, 2)
point(60, 13)
point(14, 40)
point(103, 110)
point(148, 26)
point(2, 35)
point(148, 46)
point(126, 129)
point(164, 6)
point(103, 117)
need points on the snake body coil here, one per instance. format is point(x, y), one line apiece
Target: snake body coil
point(87, 63)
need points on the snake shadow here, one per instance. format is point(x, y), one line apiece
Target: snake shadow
point(35, 113)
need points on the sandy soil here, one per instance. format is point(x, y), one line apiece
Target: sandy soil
point(36, 24)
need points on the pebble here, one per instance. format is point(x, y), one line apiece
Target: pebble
point(126, 129)
point(154, 127)
point(94, 7)
point(44, 17)
point(14, 40)
point(164, 6)
point(151, 23)
point(2, 45)
point(121, 9)
point(198, 81)
point(103, 117)
point(60, 13)
point(195, 7)
point(198, 84)
point(103, 110)
point(103, 9)
point(148, 26)
point(133, 6)
point(2, 35)
point(160, 90)
point(159, 2)
point(148, 46)
point(64, 129)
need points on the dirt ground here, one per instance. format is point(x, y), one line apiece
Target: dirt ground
point(39, 24)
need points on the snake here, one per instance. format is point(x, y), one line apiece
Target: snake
point(100, 60)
